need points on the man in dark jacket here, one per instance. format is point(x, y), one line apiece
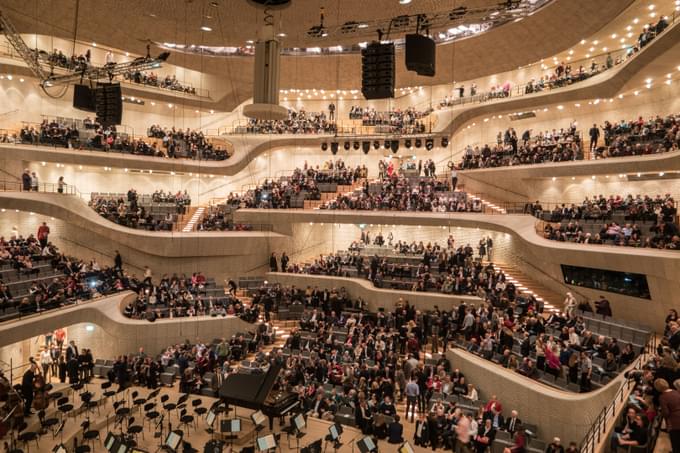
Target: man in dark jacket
point(26, 180)
point(27, 389)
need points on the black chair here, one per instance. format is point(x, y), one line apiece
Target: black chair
point(83, 449)
point(29, 436)
point(187, 420)
point(91, 436)
point(65, 410)
point(134, 430)
point(151, 417)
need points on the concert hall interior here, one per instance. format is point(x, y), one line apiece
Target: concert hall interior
point(339, 225)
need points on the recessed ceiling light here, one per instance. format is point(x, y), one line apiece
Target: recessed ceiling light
point(206, 28)
point(281, 35)
point(404, 2)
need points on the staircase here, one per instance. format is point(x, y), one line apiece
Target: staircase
point(194, 216)
point(552, 301)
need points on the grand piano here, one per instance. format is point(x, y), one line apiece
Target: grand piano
point(257, 392)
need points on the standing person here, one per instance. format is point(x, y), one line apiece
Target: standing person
point(26, 180)
point(46, 362)
point(43, 234)
point(594, 134)
point(27, 388)
point(284, 262)
point(489, 248)
point(454, 178)
point(331, 112)
point(71, 351)
point(412, 392)
point(273, 265)
point(570, 305)
point(118, 261)
point(602, 307)
point(35, 183)
point(669, 403)
point(61, 184)
point(60, 336)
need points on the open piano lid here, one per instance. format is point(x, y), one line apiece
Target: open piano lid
point(249, 390)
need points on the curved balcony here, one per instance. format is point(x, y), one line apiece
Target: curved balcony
point(121, 335)
point(450, 121)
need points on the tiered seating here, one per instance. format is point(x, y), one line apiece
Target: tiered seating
point(141, 211)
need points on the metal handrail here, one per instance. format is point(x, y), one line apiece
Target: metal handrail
point(48, 187)
point(520, 90)
point(598, 429)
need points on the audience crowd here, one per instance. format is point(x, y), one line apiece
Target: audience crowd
point(68, 279)
point(562, 75)
point(408, 121)
point(174, 143)
point(660, 211)
point(298, 122)
point(134, 212)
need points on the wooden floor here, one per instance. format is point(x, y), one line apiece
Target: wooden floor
point(103, 420)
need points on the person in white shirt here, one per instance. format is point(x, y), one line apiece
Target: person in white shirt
point(45, 361)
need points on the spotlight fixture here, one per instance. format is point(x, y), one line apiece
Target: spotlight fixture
point(394, 146)
point(365, 146)
point(334, 147)
point(376, 144)
point(429, 144)
point(356, 145)
point(419, 143)
point(324, 146)
point(407, 143)
point(387, 144)
point(445, 142)
point(346, 146)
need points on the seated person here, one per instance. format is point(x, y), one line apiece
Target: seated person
point(395, 431)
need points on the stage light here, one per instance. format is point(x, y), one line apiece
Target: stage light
point(387, 144)
point(445, 142)
point(419, 143)
point(324, 146)
point(356, 145)
point(376, 144)
point(346, 146)
point(407, 143)
point(429, 144)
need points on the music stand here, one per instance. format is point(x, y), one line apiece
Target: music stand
point(110, 441)
point(297, 424)
point(266, 443)
point(405, 448)
point(59, 449)
point(172, 441)
point(210, 418)
point(366, 445)
point(232, 426)
point(334, 433)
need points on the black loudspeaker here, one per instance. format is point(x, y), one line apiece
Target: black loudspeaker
point(334, 147)
point(109, 104)
point(377, 71)
point(366, 146)
point(394, 146)
point(421, 54)
point(83, 98)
